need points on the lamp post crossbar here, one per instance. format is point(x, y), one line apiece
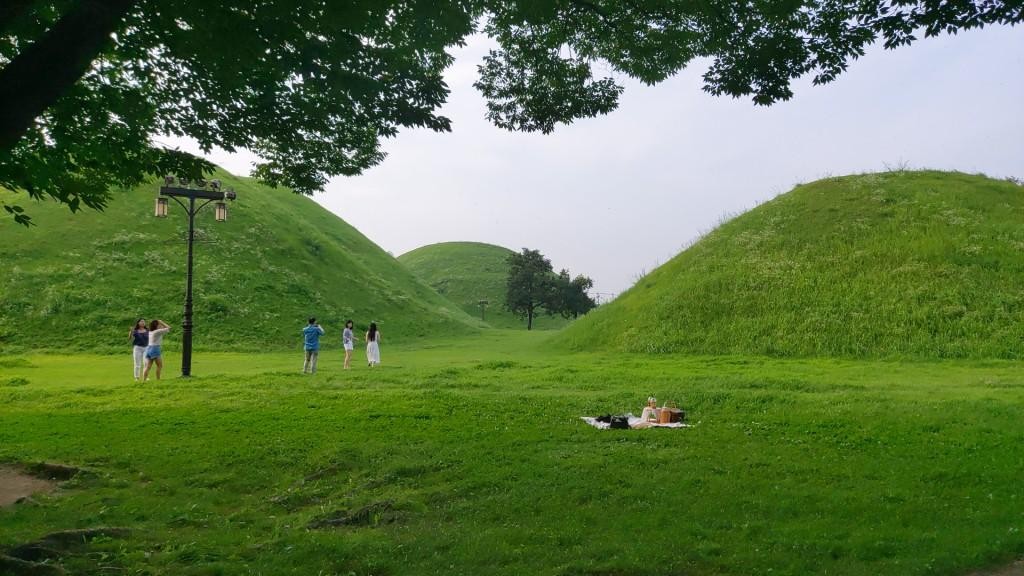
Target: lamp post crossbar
point(191, 195)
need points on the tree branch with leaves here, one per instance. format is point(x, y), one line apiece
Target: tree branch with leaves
point(313, 87)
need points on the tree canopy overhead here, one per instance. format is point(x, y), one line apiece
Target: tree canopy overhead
point(313, 86)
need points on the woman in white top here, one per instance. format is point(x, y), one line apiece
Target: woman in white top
point(651, 412)
point(373, 345)
point(157, 329)
point(348, 340)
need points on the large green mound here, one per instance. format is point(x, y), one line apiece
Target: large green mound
point(468, 272)
point(901, 264)
point(79, 280)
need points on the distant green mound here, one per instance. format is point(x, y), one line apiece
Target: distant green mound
point(79, 280)
point(468, 272)
point(903, 264)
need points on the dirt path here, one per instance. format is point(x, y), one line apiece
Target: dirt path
point(1015, 569)
point(15, 484)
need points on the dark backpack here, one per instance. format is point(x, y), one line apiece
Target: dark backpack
point(619, 423)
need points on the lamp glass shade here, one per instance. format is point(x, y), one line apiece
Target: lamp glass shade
point(161, 208)
point(221, 211)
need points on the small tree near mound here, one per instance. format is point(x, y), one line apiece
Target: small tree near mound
point(574, 300)
point(531, 285)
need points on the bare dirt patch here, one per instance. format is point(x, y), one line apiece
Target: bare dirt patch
point(1015, 569)
point(16, 484)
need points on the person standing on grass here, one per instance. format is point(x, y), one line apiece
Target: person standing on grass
point(373, 346)
point(157, 329)
point(348, 340)
point(311, 342)
point(139, 336)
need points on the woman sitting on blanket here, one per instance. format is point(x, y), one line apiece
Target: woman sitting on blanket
point(649, 415)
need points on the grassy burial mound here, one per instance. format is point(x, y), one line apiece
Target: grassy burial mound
point(79, 280)
point(468, 272)
point(902, 264)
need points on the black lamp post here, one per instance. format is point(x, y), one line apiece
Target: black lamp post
point(197, 191)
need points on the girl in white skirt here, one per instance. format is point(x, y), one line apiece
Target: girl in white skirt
point(373, 345)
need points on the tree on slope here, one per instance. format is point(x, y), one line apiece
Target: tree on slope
point(531, 285)
point(312, 86)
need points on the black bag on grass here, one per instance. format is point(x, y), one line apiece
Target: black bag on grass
point(619, 422)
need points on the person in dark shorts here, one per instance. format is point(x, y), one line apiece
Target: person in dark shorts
point(311, 343)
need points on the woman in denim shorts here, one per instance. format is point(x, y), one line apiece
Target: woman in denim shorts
point(157, 329)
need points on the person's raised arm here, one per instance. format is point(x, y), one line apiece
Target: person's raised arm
point(164, 324)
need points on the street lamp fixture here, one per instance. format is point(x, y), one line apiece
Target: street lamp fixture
point(186, 197)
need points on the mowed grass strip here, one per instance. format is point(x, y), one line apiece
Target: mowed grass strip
point(468, 458)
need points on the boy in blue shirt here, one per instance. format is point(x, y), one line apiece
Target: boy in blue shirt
point(311, 342)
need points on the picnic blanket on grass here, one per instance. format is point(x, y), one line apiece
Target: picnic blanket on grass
point(633, 421)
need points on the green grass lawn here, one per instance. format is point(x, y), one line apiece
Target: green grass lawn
point(467, 457)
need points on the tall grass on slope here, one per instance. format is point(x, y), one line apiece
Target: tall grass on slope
point(902, 264)
point(78, 281)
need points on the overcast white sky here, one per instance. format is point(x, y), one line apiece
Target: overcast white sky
point(616, 195)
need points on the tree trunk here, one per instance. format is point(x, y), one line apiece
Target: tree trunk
point(529, 319)
point(42, 72)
